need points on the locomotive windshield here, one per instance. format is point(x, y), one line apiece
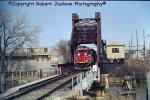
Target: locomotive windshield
point(82, 51)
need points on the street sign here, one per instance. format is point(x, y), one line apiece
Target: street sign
point(94, 68)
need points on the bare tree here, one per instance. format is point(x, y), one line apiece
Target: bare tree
point(15, 33)
point(62, 50)
point(140, 67)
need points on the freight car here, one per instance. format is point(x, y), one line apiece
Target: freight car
point(84, 57)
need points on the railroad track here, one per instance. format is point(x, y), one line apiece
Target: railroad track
point(43, 89)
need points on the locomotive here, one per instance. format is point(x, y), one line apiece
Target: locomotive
point(84, 57)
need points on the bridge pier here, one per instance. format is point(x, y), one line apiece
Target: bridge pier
point(104, 80)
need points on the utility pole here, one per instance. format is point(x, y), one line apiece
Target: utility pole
point(131, 48)
point(129, 51)
point(148, 53)
point(137, 44)
point(144, 45)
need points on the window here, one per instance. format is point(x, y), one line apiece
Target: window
point(82, 51)
point(115, 50)
point(45, 49)
point(30, 50)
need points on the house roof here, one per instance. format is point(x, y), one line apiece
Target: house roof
point(115, 43)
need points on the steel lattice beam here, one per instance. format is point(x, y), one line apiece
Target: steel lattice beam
point(86, 31)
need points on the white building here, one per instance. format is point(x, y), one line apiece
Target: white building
point(115, 51)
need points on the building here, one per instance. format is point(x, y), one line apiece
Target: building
point(115, 52)
point(30, 59)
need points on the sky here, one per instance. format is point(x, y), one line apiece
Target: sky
point(119, 19)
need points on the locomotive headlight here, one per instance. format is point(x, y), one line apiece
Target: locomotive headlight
point(85, 54)
point(78, 54)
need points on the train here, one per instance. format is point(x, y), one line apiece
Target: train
point(84, 57)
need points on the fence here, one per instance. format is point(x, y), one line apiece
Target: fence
point(12, 79)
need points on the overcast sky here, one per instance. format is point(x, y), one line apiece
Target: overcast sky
point(120, 19)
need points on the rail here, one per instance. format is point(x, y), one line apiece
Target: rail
point(27, 89)
point(42, 89)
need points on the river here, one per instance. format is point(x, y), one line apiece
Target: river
point(140, 92)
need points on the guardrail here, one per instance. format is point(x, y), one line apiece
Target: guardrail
point(13, 79)
point(82, 82)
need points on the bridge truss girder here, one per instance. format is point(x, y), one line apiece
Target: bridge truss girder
point(86, 31)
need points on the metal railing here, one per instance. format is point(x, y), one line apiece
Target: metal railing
point(13, 79)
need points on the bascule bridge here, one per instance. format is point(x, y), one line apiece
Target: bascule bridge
point(86, 31)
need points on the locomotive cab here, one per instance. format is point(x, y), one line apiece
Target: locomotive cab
point(81, 56)
point(84, 57)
